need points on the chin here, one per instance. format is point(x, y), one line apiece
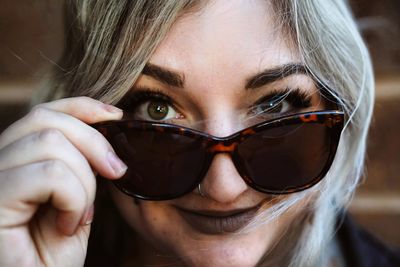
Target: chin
point(233, 250)
point(222, 257)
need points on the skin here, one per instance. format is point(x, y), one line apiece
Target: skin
point(53, 152)
point(48, 152)
point(215, 52)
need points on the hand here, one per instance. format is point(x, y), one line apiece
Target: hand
point(47, 184)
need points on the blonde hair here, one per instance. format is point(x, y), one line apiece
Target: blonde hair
point(330, 44)
point(109, 42)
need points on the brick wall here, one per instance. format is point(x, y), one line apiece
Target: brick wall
point(377, 202)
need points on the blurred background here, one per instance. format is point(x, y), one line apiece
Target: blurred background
point(31, 41)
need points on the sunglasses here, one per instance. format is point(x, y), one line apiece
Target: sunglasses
point(279, 156)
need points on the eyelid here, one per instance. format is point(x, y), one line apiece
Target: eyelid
point(140, 95)
point(286, 94)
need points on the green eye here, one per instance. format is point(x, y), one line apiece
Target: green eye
point(157, 110)
point(144, 104)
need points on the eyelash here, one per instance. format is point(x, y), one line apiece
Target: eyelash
point(141, 95)
point(297, 99)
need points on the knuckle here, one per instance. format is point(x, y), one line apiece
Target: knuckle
point(95, 115)
point(82, 197)
point(38, 112)
point(51, 135)
point(54, 168)
point(77, 191)
point(59, 175)
point(96, 137)
point(92, 185)
point(77, 194)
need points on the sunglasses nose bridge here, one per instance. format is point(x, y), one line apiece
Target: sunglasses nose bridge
point(228, 144)
point(222, 147)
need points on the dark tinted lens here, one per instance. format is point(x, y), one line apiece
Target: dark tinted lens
point(286, 158)
point(160, 165)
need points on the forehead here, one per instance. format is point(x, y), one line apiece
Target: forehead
point(224, 37)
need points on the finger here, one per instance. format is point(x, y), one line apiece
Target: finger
point(49, 144)
point(25, 188)
point(84, 108)
point(86, 139)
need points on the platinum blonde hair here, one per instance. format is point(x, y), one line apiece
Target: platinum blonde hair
point(326, 35)
point(109, 42)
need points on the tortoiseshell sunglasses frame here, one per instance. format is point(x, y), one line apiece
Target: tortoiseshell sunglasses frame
point(333, 119)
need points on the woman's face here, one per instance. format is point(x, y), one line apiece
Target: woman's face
point(213, 54)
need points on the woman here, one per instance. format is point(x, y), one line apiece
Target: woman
point(213, 68)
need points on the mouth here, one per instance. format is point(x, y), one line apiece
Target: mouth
point(218, 222)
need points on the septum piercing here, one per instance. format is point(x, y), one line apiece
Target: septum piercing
point(200, 192)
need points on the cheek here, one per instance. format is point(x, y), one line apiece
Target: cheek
point(149, 219)
point(160, 225)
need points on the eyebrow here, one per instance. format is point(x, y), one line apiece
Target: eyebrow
point(164, 75)
point(265, 77)
point(271, 75)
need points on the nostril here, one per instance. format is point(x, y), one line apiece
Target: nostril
point(222, 182)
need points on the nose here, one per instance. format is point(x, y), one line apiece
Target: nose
point(222, 182)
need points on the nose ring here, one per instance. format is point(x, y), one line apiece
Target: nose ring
point(200, 191)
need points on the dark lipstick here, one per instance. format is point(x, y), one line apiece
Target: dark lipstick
point(218, 222)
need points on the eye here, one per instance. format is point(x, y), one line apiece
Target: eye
point(281, 102)
point(156, 110)
point(273, 106)
point(147, 104)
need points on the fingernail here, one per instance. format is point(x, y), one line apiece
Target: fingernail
point(111, 108)
point(88, 217)
point(116, 164)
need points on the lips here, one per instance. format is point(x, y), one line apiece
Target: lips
point(218, 222)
